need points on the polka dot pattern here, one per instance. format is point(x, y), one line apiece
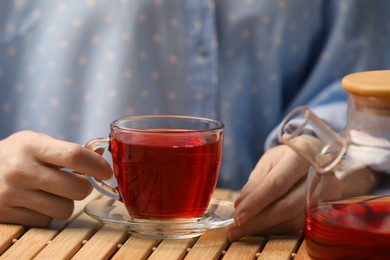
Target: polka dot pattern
point(69, 68)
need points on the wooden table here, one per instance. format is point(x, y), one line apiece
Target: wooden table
point(81, 237)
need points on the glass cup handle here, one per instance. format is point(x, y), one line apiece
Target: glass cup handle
point(100, 145)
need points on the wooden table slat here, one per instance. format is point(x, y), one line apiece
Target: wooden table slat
point(29, 244)
point(245, 248)
point(280, 247)
point(172, 249)
point(69, 241)
point(136, 248)
point(103, 244)
point(9, 233)
point(209, 245)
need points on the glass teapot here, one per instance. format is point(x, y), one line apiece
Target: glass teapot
point(348, 184)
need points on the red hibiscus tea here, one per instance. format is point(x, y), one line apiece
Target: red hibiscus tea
point(355, 230)
point(166, 174)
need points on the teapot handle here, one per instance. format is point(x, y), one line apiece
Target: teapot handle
point(313, 139)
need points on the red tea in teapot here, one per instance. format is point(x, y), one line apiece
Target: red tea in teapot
point(357, 230)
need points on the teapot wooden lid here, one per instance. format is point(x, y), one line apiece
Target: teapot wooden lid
point(368, 83)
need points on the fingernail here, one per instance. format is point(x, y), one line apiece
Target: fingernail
point(237, 221)
point(241, 218)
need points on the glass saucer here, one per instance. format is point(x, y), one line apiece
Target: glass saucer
point(218, 214)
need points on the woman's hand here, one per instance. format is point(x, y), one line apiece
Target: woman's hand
point(273, 199)
point(33, 188)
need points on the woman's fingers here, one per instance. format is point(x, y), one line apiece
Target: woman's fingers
point(282, 215)
point(33, 188)
point(75, 157)
point(58, 153)
point(286, 172)
point(42, 203)
point(64, 184)
point(31, 175)
point(260, 174)
point(291, 226)
point(14, 215)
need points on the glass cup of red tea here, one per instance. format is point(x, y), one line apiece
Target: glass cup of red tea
point(166, 167)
